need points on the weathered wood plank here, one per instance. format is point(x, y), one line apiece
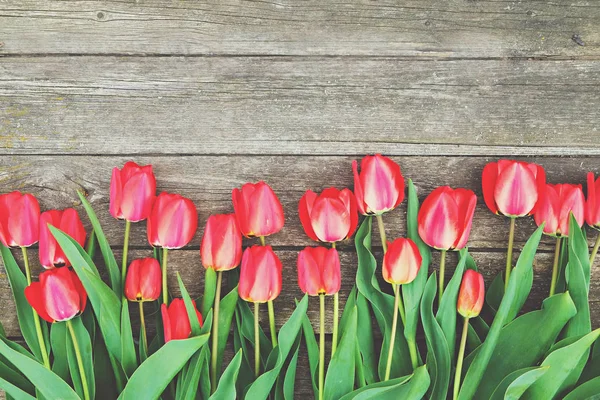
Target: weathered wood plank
point(427, 29)
point(294, 105)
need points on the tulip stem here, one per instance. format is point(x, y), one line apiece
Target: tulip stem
point(555, 266)
point(262, 240)
point(442, 274)
point(511, 238)
point(336, 311)
point(256, 341)
point(595, 250)
point(215, 334)
point(164, 276)
point(36, 318)
point(461, 355)
point(84, 383)
point(388, 368)
point(321, 345)
point(272, 323)
point(382, 232)
point(143, 327)
point(124, 261)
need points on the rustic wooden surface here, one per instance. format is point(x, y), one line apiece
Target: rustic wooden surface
point(218, 93)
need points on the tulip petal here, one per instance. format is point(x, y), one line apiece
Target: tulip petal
point(547, 210)
point(309, 277)
point(48, 246)
point(350, 201)
point(6, 204)
point(438, 219)
point(166, 323)
point(138, 197)
point(488, 183)
point(572, 200)
point(330, 219)
point(591, 214)
point(33, 294)
point(305, 206)
point(516, 190)
point(358, 190)
point(330, 272)
point(116, 194)
point(23, 221)
point(466, 202)
point(61, 298)
point(378, 178)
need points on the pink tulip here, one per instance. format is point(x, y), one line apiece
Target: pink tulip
point(144, 280)
point(471, 294)
point(380, 185)
point(257, 209)
point(19, 219)
point(330, 216)
point(592, 206)
point(221, 247)
point(401, 262)
point(51, 255)
point(554, 206)
point(132, 192)
point(319, 271)
point(173, 221)
point(176, 321)
point(260, 275)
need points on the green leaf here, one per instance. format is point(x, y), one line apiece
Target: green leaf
point(226, 313)
point(340, 373)
point(559, 376)
point(106, 385)
point(58, 338)
point(313, 353)
point(90, 247)
point(189, 383)
point(14, 377)
point(189, 307)
point(153, 376)
point(210, 287)
point(226, 387)
point(290, 375)
point(366, 341)
point(411, 387)
point(590, 390)
point(437, 344)
point(495, 293)
point(85, 347)
point(516, 383)
point(13, 391)
point(375, 389)
point(50, 385)
point(128, 361)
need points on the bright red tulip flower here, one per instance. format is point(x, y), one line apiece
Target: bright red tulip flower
point(58, 296)
point(555, 204)
point(132, 192)
point(260, 275)
point(176, 321)
point(471, 294)
point(257, 209)
point(19, 219)
point(68, 221)
point(445, 218)
point(173, 221)
point(592, 205)
point(511, 187)
point(221, 247)
point(319, 271)
point(401, 262)
point(144, 280)
point(330, 216)
point(380, 185)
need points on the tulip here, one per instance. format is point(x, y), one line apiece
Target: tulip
point(176, 321)
point(469, 304)
point(444, 221)
point(51, 255)
point(402, 262)
point(592, 210)
point(330, 216)
point(19, 219)
point(143, 281)
point(132, 192)
point(380, 185)
point(257, 209)
point(319, 271)
point(221, 248)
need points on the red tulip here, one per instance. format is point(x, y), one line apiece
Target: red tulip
point(471, 294)
point(401, 262)
point(511, 187)
point(51, 255)
point(260, 275)
point(554, 206)
point(257, 209)
point(592, 206)
point(143, 282)
point(319, 271)
point(445, 218)
point(380, 185)
point(58, 296)
point(19, 219)
point(173, 221)
point(176, 321)
point(132, 192)
point(221, 247)
point(330, 216)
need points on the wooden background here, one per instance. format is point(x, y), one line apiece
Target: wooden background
point(220, 92)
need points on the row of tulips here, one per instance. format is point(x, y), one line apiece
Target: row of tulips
point(443, 222)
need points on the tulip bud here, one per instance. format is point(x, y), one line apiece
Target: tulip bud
point(173, 221)
point(58, 296)
point(257, 209)
point(319, 271)
point(260, 275)
point(176, 322)
point(19, 219)
point(445, 218)
point(555, 204)
point(401, 262)
point(511, 187)
point(221, 247)
point(592, 206)
point(380, 185)
point(132, 192)
point(51, 255)
point(471, 294)
point(330, 216)
point(143, 282)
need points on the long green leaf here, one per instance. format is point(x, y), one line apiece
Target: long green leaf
point(340, 373)
point(58, 338)
point(189, 307)
point(590, 390)
point(13, 376)
point(366, 341)
point(516, 383)
point(128, 360)
point(411, 387)
point(210, 286)
point(85, 346)
point(226, 387)
point(289, 382)
point(376, 388)
point(226, 312)
point(313, 353)
point(14, 391)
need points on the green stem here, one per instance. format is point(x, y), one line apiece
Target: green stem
point(397, 300)
point(272, 323)
point(595, 250)
point(412, 348)
point(256, 341)
point(215, 335)
point(321, 346)
point(555, 266)
point(262, 240)
point(116, 368)
point(86, 393)
point(382, 232)
point(400, 304)
point(164, 276)
point(124, 262)
point(143, 327)
point(511, 238)
point(461, 355)
point(36, 318)
point(442, 275)
point(336, 310)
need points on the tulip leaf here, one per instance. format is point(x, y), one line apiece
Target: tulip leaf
point(114, 271)
point(313, 353)
point(189, 307)
point(519, 285)
point(210, 289)
point(226, 387)
point(517, 382)
point(473, 340)
point(14, 377)
point(85, 347)
point(154, 375)
point(589, 390)
point(226, 313)
point(14, 391)
point(128, 361)
point(104, 372)
point(367, 360)
point(411, 387)
point(289, 382)
point(494, 294)
point(559, 376)
point(50, 385)
point(340, 373)
point(517, 348)
point(187, 383)
point(437, 345)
